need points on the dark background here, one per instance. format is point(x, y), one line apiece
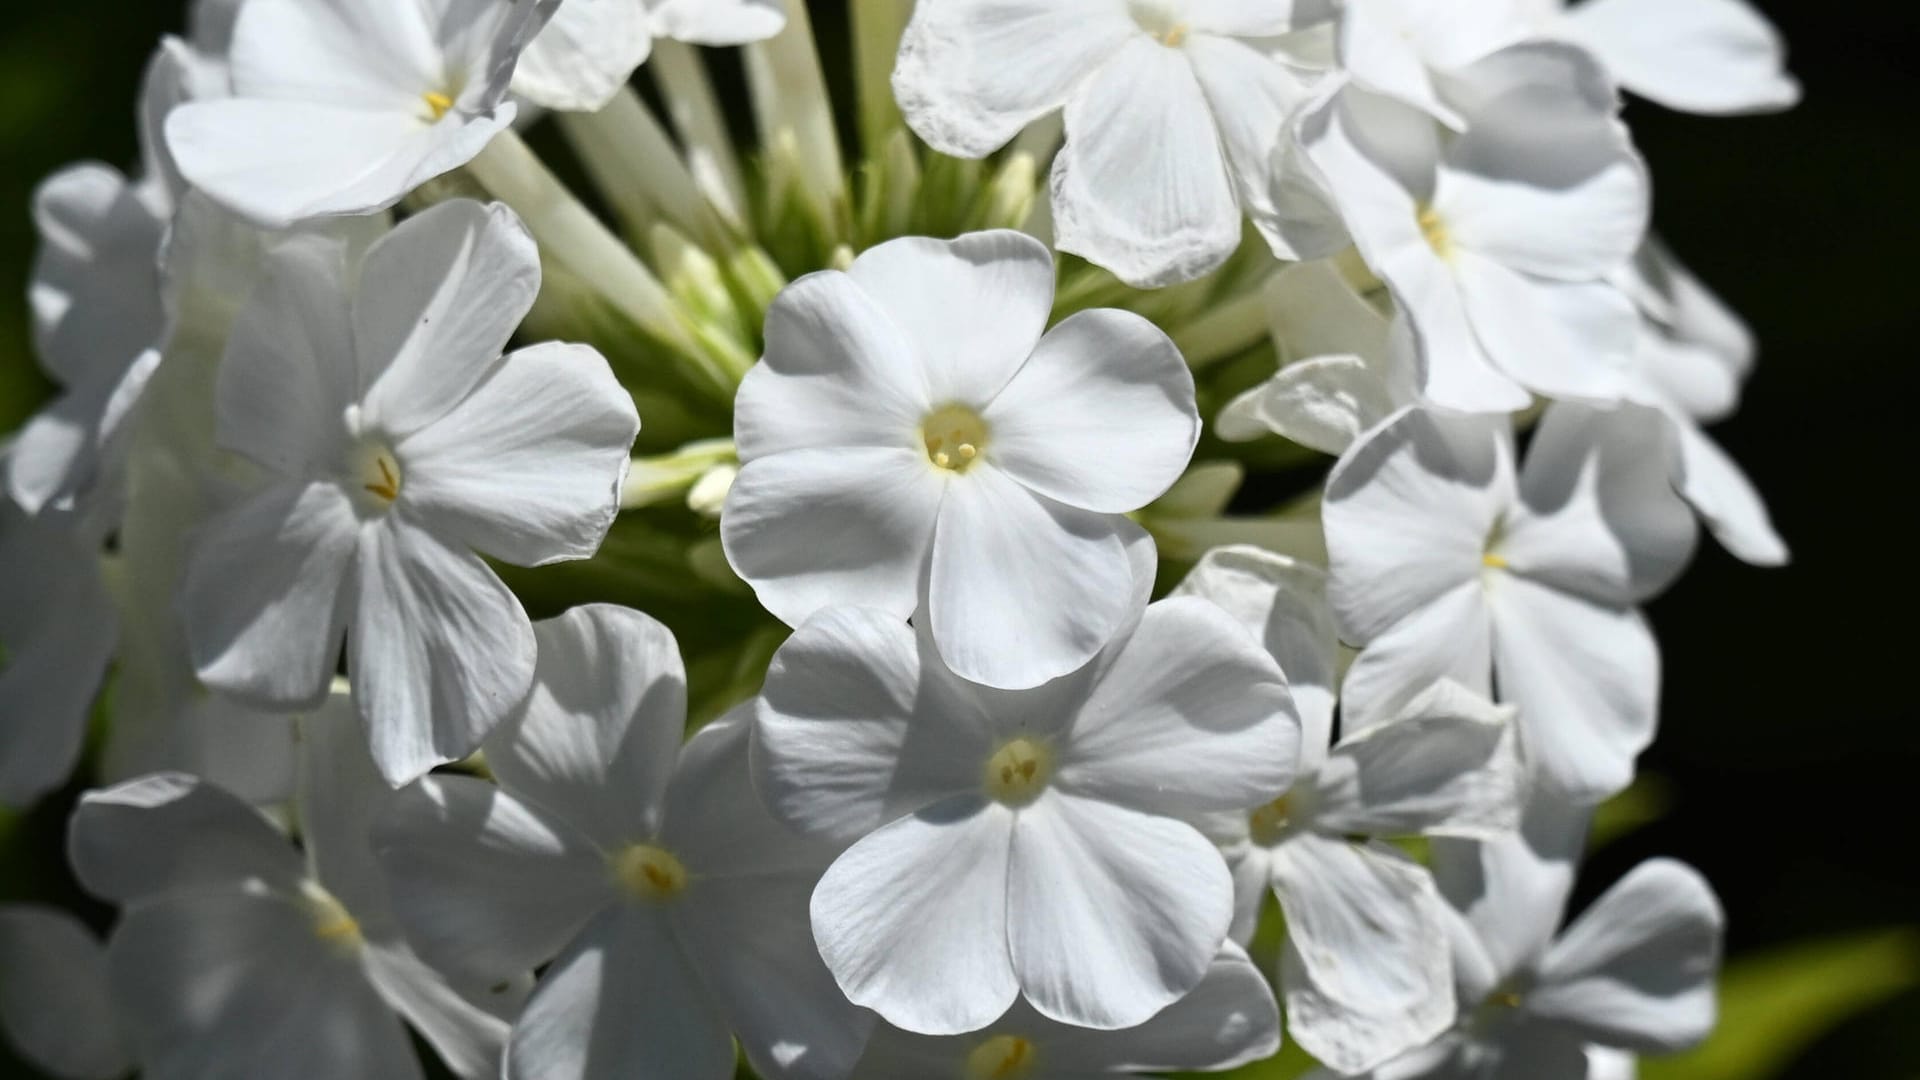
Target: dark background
point(1789, 741)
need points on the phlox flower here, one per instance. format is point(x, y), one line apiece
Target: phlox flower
point(57, 635)
point(238, 956)
point(1634, 973)
point(345, 106)
point(591, 47)
point(673, 909)
point(1228, 1020)
point(1365, 969)
point(1448, 562)
point(1021, 844)
point(1497, 242)
point(1702, 56)
point(912, 443)
point(55, 1006)
point(396, 442)
point(1173, 109)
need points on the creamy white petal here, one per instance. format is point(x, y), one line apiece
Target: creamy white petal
point(436, 302)
point(1559, 340)
point(970, 75)
point(1253, 93)
point(1446, 764)
point(1450, 638)
point(813, 528)
point(1511, 891)
point(1022, 589)
point(54, 1003)
point(586, 54)
point(1366, 974)
point(1704, 56)
point(1191, 715)
point(170, 832)
point(441, 651)
point(1141, 187)
point(1637, 969)
point(913, 919)
point(469, 1039)
point(971, 309)
point(1229, 1020)
point(596, 739)
point(853, 730)
point(486, 886)
point(1722, 494)
point(265, 594)
point(1112, 914)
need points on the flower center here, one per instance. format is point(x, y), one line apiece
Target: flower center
point(1268, 824)
point(1019, 771)
point(1434, 228)
point(955, 436)
point(332, 923)
point(438, 104)
point(1162, 19)
point(647, 872)
point(1490, 557)
point(1003, 1057)
point(378, 471)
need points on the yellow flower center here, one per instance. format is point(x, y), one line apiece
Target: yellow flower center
point(378, 471)
point(1019, 771)
point(1161, 19)
point(1490, 556)
point(647, 872)
point(332, 923)
point(1003, 1057)
point(1434, 228)
point(438, 104)
point(955, 437)
point(1268, 824)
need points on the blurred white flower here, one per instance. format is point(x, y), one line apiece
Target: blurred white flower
point(1703, 56)
point(55, 1006)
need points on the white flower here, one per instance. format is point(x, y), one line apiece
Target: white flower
point(1446, 564)
point(397, 442)
point(237, 957)
point(1635, 972)
point(1022, 843)
point(1345, 365)
point(345, 106)
point(1366, 969)
point(676, 908)
point(1703, 56)
point(912, 443)
point(1410, 49)
point(1174, 111)
point(592, 47)
point(57, 632)
point(1496, 242)
point(1230, 1019)
point(1693, 354)
point(55, 1007)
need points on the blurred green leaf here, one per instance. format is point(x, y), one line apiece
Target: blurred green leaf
point(1775, 1004)
point(1647, 801)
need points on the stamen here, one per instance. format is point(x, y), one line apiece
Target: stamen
point(1003, 1057)
point(955, 437)
point(1493, 561)
point(439, 104)
point(1018, 772)
point(1268, 824)
point(647, 872)
point(388, 485)
point(332, 922)
point(1434, 228)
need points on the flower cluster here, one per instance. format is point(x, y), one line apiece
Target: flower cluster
point(1004, 729)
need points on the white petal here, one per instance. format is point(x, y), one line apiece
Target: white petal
point(1451, 638)
point(813, 528)
point(838, 372)
point(596, 740)
point(1637, 970)
point(1367, 976)
point(1282, 602)
point(1253, 92)
point(288, 374)
point(469, 1039)
point(437, 300)
point(971, 75)
point(1324, 403)
point(486, 886)
point(263, 596)
point(587, 53)
point(95, 289)
point(1022, 589)
point(338, 796)
point(528, 467)
point(54, 1004)
point(1447, 764)
point(718, 22)
point(1729, 502)
point(1705, 56)
point(1230, 1019)
point(1112, 914)
point(233, 986)
point(170, 832)
point(1131, 427)
point(1381, 48)
point(912, 920)
point(440, 651)
point(1408, 514)
point(1191, 715)
point(971, 309)
point(621, 1002)
point(849, 736)
point(1598, 515)
point(1511, 891)
point(1141, 187)
point(1556, 339)
point(354, 51)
